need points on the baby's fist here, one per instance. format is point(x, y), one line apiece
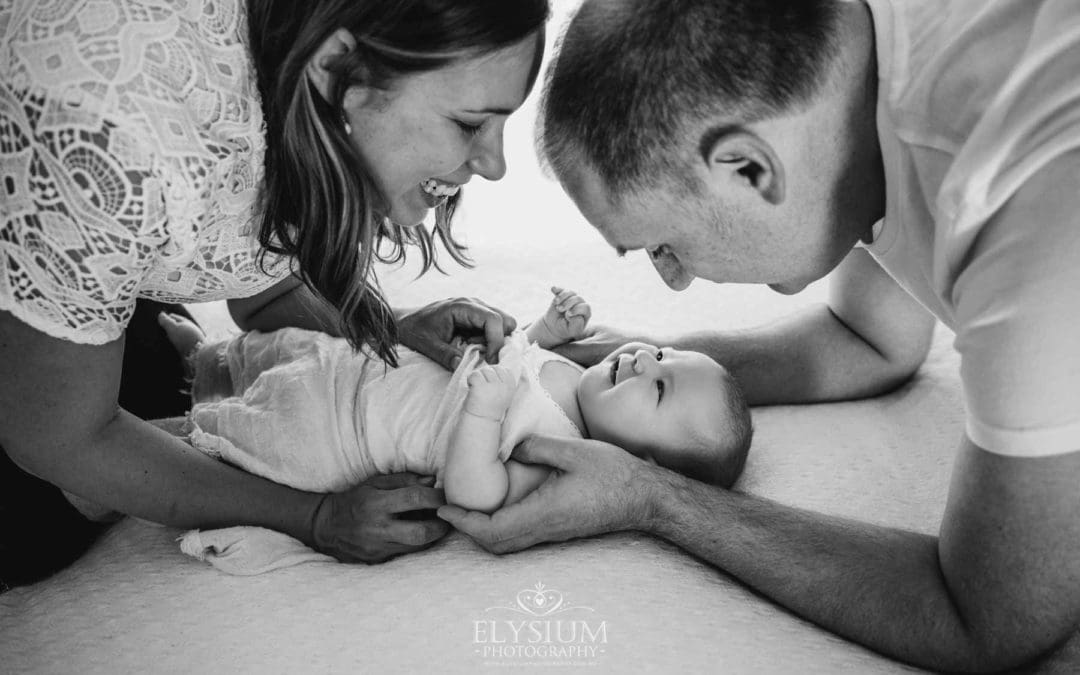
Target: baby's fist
point(491, 388)
point(567, 316)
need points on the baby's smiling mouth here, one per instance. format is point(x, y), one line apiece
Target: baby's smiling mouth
point(614, 371)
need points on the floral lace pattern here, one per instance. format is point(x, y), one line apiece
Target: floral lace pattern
point(131, 154)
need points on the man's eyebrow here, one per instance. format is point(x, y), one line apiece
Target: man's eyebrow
point(485, 111)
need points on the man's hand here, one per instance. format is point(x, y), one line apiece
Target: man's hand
point(443, 330)
point(565, 319)
point(379, 519)
point(595, 488)
point(491, 388)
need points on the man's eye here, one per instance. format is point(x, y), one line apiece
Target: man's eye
point(470, 129)
point(660, 390)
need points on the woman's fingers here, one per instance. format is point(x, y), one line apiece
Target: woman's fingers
point(415, 533)
point(414, 498)
point(393, 481)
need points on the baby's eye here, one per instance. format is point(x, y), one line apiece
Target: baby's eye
point(659, 354)
point(660, 391)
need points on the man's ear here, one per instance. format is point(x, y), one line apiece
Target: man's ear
point(339, 43)
point(737, 156)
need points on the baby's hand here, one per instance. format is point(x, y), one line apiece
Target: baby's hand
point(491, 388)
point(567, 316)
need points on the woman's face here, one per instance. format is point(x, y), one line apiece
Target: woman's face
point(433, 131)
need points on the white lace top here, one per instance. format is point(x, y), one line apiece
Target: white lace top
point(131, 152)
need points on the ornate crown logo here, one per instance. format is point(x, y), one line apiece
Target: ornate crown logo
point(541, 601)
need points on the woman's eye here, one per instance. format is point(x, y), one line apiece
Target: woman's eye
point(660, 390)
point(470, 129)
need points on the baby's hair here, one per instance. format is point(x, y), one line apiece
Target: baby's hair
point(718, 458)
point(733, 447)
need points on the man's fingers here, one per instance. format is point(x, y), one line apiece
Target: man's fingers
point(495, 533)
point(549, 450)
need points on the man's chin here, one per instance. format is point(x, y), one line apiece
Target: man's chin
point(788, 288)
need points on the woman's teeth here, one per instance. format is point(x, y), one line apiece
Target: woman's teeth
point(438, 188)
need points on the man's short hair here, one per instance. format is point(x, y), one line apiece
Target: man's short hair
point(629, 74)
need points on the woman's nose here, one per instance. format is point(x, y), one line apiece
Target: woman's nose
point(489, 161)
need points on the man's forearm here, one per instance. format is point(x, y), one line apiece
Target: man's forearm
point(877, 586)
point(807, 357)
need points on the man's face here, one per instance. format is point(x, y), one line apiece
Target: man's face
point(720, 237)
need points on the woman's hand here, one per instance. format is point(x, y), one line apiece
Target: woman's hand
point(595, 488)
point(379, 519)
point(443, 330)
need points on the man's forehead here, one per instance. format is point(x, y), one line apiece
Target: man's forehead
point(603, 212)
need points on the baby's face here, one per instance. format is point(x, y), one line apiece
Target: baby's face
point(644, 398)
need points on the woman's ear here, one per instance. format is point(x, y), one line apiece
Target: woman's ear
point(737, 157)
point(338, 44)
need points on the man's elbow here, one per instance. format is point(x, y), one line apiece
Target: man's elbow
point(899, 363)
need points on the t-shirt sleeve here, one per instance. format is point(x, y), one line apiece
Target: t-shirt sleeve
point(1018, 321)
point(78, 221)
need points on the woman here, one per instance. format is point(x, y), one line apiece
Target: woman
point(209, 150)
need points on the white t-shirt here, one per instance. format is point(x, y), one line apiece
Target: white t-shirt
point(977, 97)
point(131, 154)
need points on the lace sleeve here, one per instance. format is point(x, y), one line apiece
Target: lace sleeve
point(80, 221)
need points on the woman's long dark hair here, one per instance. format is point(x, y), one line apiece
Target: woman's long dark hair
point(319, 202)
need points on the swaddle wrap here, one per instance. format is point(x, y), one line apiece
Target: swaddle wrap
point(314, 415)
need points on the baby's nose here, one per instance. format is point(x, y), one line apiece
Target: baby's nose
point(644, 360)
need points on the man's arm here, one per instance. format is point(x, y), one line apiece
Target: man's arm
point(869, 338)
point(997, 588)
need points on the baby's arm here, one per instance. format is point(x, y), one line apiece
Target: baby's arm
point(474, 477)
point(564, 321)
point(524, 478)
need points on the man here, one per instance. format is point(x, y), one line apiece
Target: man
point(925, 154)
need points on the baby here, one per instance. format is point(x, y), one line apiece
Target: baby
point(303, 409)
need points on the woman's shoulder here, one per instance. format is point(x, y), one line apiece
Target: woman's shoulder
point(176, 76)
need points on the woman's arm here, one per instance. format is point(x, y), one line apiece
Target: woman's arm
point(289, 303)
point(61, 423)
